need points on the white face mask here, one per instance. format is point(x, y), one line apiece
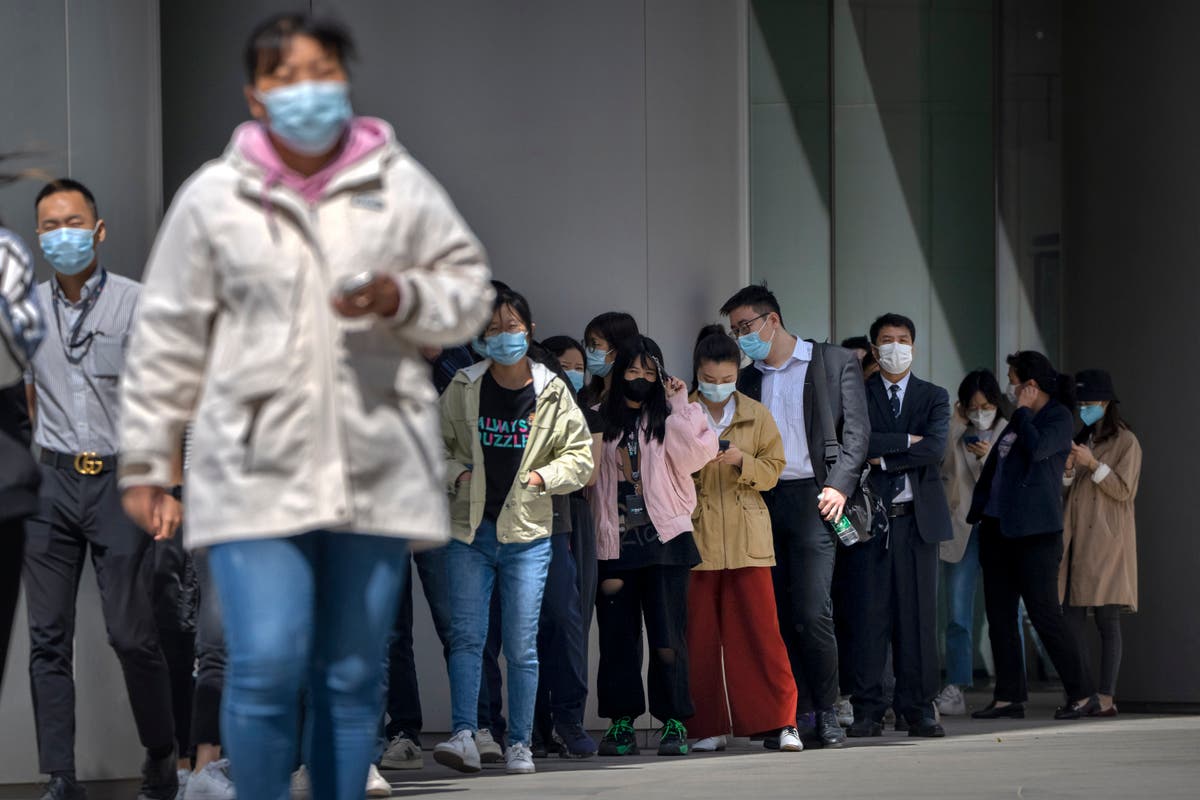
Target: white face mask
point(895, 358)
point(982, 419)
point(1012, 392)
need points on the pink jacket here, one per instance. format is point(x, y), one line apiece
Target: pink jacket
point(667, 482)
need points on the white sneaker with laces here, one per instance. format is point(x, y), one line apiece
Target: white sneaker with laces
point(950, 701)
point(490, 751)
point(377, 785)
point(301, 785)
point(844, 712)
point(403, 753)
point(789, 741)
point(710, 745)
point(211, 783)
point(459, 753)
point(519, 760)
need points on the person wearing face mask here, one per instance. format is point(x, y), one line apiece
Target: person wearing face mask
point(642, 503)
point(290, 289)
point(732, 625)
point(1099, 566)
point(1018, 506)
point(514, 437)
point(72, 385)
point(893, 575)
point(974, 424)
point(811, 493)
point(602, 336)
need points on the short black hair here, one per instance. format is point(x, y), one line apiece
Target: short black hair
point(894, 321)
point(982, 381)
point(757, 296)
point(67, 185)
point(857, 343)
point(271, 37)
point(558, 345)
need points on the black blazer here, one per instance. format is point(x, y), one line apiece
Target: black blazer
point(843, 376)
point(1031, 494)
point(926, 413)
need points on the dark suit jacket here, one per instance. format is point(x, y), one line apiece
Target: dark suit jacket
point(19, 474)
point(1031, 492)
point(843, 376)
point(926, 413)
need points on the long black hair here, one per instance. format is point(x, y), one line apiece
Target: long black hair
point(1030, 365)
point(615, 327)
point(616, 413)
point(713, 344)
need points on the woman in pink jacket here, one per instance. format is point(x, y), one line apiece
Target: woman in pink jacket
point(642, 502)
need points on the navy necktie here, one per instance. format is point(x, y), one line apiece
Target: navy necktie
point(897, 480)
point(895, 400)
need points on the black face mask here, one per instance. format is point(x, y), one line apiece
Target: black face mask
point(638, 390)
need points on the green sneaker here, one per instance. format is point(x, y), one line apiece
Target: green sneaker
point(674, 739)
point(620, 739)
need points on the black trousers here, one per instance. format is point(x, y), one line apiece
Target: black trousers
point(659, 595)
point(12, 543)
point(894, 585)
point(175, 596)
point(78, 513)
point(1027, 568)
point(210, 659)
point(562, 649)
point(803, 576)
point(1108, 625)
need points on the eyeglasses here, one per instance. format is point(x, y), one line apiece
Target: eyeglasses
point(744, 328)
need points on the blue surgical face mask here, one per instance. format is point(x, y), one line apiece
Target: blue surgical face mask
point(69, 250)
point(576, 378)
point(717, 392)
point(754, 346)
point(310, 116)
point(596, 363)
point(1091, 414)
point(506, 348)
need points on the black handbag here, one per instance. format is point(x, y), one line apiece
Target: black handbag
point(864, 507)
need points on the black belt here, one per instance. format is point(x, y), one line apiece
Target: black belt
point(88, 463)
point(900, 510)
point(784, 484)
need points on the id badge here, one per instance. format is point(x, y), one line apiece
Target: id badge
point(635, 511)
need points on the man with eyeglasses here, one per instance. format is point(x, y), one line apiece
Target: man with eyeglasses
point(72, 385)
point(810, 493)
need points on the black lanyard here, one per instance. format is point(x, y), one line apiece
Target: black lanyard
point(73, 342)
point(631, 447)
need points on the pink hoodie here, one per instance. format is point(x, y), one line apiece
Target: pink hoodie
point(365, 136)
point(667, 482)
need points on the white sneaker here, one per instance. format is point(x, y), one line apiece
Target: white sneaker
point(459, 753)
point(211, 783)
point(519, 760)
point(377, 785)
point(490, 751)
point(403, 753)
point(789, 740)
point(950, 701)
point(844, 711)
point(301, 785)
point(710, 745)
point(183, 775)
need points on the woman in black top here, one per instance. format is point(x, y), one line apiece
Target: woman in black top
point(1018, 505)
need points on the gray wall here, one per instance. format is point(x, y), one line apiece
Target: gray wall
point(1130, 243)
point(87, 101)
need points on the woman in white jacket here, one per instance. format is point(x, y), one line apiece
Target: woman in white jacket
point(315, 428)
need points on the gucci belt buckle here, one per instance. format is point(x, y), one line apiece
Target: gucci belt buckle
point(88, 464)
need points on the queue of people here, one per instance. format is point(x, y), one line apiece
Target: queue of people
point(301, 294)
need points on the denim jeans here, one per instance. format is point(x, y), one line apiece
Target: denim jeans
point(961, 580)
point(308, 613)
point(520, 570)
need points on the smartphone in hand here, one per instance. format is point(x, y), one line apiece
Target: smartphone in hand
point(353, 284)
point(722, 445)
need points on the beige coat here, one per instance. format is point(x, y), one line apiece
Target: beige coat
point(302, 419)
point(1099, 531)
point(732, 525)
point(960, 473)
point(559, 449)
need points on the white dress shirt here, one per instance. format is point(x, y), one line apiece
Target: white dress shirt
point(905, 496)
point(783, 395)
point(719, 426)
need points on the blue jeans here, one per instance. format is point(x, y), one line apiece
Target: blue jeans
point(520, 570)
point(305, 613)
point(961, 580)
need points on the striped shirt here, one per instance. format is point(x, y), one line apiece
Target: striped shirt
point(77, 387)
point(22, 324)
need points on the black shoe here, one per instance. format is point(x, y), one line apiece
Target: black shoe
point(1010, 711)
point(674, 739)
point(1077, 710)
point(901, 723)
point(160, 779)
point(576, 743)
point(927, 728)
point(829, 730)
point(63, 788)
point(863, 728)
point(620, 739)
point(537, 746)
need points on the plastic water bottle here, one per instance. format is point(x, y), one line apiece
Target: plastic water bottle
point(844, 528)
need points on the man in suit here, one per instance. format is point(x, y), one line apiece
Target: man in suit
point(894, 576)
point(809, 494)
